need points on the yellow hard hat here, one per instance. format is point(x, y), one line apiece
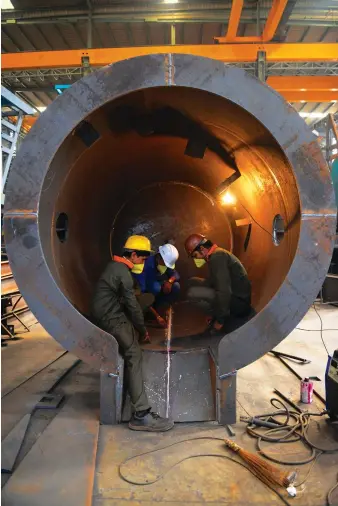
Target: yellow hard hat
point(139, 243)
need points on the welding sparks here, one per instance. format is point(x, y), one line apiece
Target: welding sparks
point(168, 342)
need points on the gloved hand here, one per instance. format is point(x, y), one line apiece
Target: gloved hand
point(145, 339)
point(167, 287)
point(210, 320)
point(214, 327)
point(161, 321)
point(217, 326)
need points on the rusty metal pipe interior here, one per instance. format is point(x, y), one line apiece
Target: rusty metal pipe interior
point(165, 145)
point(118, 174)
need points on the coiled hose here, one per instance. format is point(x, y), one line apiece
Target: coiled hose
point(287, 432)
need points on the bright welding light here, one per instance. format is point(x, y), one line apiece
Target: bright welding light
point(228, 199)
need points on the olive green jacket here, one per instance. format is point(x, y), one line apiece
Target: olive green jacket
point(114, 298)
point(228, 278)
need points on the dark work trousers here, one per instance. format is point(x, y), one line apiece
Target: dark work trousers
point(165, 300)
point(201, 293)
point(127, 338)
point(145, 300)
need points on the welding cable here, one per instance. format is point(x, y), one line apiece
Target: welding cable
point(315, 330)
point(218, 455)
point(291, 433)
point(329, 495)
point(321, 329)
point(255, 221)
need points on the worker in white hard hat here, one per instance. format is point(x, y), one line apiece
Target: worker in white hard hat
point(160, 277)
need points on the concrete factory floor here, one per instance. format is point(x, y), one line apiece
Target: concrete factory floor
point(68, 458)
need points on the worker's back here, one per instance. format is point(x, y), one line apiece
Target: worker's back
point(221, 260)
point(107, 300)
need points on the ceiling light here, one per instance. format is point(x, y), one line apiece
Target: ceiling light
point(171, 1)
point(6, 4)
point(228, 199)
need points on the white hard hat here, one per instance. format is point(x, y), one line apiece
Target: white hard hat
point(169, 254)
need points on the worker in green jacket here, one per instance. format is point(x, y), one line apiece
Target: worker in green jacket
point(227, 291)
point(116, 310)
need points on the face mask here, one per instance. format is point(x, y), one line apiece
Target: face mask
point(138, 268)
point(199, 262)
point(162, 268)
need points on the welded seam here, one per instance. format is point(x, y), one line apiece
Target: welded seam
point(20, 213)
point(169, 70)
point(318, 215)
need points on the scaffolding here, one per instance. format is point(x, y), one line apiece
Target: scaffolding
point(13, 110)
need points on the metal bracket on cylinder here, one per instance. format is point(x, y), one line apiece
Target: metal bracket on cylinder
point(85, 65)
point(260, 70)
point(225, 394)
point(111, 394)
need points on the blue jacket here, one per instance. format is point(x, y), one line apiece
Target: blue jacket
point(151, 275)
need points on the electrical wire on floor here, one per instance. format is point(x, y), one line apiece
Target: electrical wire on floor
point(329, 495)
point(291, 432)
point(315, 330)
point(203, 455)
point(321, 329)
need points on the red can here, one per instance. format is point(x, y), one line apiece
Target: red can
point(306, 391)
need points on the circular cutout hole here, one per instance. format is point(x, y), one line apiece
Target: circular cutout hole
point(278, 229)
point(61, 227)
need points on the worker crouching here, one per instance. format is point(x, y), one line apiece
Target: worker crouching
point(160, 278)
point(227, 291)
point(116, 310)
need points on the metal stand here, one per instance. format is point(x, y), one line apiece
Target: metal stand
point(194, 377)
point(11, 107)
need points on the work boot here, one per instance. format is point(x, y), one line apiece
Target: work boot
point(150, 422)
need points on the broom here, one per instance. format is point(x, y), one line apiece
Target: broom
point(261, 468)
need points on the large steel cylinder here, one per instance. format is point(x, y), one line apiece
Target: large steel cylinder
point(137, 147)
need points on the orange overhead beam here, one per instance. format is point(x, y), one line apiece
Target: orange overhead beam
point(27, 122)
point(234, 18)
point(304, 83)
point(306, 88)
point(272, 22)
point(230, 53)
point(309, 96)
point(274, 17)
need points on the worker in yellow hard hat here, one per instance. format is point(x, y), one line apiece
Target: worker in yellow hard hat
point(116, 310)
